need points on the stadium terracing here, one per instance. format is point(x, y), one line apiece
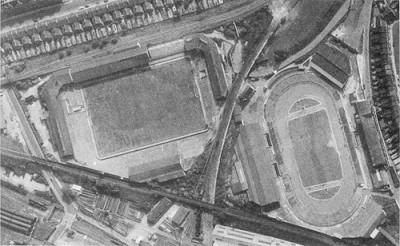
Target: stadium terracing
point(117, 63)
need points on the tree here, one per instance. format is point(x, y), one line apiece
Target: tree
point(69, 52)
point(68, 195)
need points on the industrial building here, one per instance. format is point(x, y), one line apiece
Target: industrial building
point(257, 160)
point(228, 236)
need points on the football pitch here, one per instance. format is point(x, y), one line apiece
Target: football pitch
point(145, 108)
point(315, 148)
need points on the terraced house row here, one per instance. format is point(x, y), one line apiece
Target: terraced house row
point(92, 24)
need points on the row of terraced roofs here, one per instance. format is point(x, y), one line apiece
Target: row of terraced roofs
point(78, 22)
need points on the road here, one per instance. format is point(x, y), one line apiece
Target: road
point(159, 34)
point(276, 228)
point(340, 14)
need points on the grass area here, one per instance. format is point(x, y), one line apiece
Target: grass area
point(307, 20)
point(144, 108)
point(315, 149)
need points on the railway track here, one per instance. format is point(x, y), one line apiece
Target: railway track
point(276, 227)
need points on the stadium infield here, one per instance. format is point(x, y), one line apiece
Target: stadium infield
point(145, 108)
point(315, 148)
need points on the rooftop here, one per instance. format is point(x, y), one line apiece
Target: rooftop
point(257, 160)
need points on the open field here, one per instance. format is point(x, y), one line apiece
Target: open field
point(145, 108)
point(315, 148)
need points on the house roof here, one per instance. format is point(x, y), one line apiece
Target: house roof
point(128, 12)
point(257, 160)
point(47, 36)
point(87, 24)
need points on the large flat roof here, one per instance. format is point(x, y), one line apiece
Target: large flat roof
point(257, 159)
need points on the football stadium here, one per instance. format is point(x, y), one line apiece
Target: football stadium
point(314, 152)
point(139, 113)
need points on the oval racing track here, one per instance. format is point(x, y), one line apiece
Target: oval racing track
point(320, 192)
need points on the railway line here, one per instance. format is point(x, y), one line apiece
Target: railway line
point(275, 227)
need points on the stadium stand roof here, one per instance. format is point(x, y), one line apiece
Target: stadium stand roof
point(78, 73)
point(371, 133)
point(332, 64)
point(257, 160)
point(214, 64)
point(160, 170)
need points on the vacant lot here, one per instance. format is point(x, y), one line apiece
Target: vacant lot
point(145, 108)
point(315, 149)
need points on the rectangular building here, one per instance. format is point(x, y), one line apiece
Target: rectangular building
point(159, 210)
point(228, 236)
point(160, 170)
point(257, 160)
point(371, 133)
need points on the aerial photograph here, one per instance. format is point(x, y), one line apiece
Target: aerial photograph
point(200, 122)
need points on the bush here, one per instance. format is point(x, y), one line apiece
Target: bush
point(86, 49)
point(95, 45)
point(104, 42)
point(68, 195)
point(69, 52)
point(114, 41)
point(61, 55)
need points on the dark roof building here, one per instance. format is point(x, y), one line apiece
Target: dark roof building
point(159, 210)
point(332, 64)
point(372, 136)
point(214, 64)
point(160, 170)
point(257, 160)
point(180, 216)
